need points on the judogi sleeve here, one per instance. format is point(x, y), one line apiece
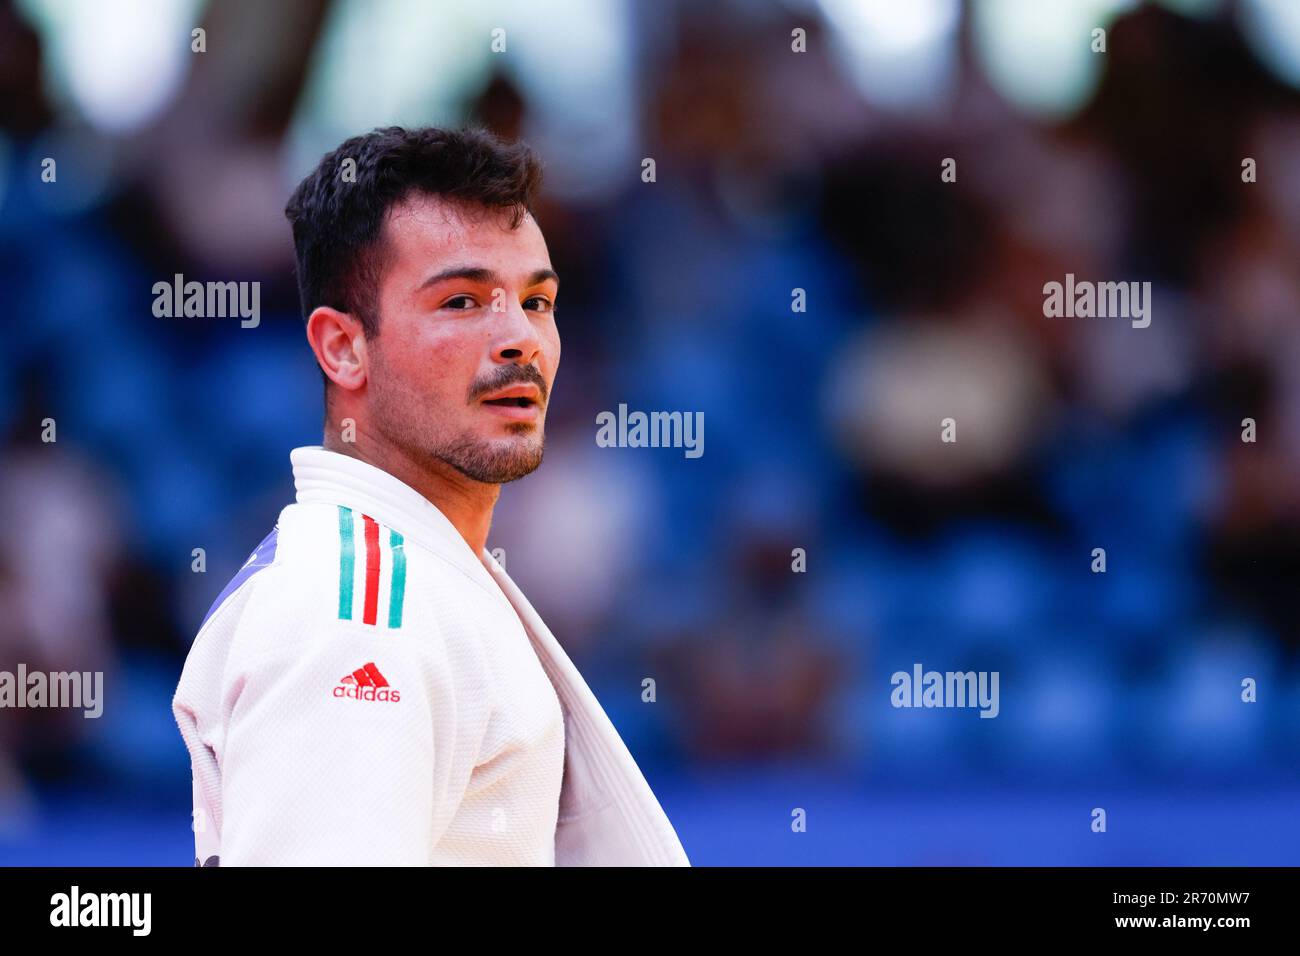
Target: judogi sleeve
point(329, 752)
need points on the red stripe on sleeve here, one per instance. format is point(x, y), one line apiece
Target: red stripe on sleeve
point(371, 613)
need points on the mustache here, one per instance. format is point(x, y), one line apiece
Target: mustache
point(506, 376)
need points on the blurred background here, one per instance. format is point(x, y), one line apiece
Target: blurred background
point(776, 171)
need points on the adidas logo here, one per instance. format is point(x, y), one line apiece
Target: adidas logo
point(366, 683)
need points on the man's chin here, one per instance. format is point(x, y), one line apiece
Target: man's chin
point(497, 462)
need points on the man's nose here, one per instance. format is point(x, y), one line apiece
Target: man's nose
point(519, 341)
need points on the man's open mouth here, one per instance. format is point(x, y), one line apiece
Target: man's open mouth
point(520, 401)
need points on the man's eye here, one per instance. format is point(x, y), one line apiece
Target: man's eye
point(459, 302)
point(539, 303)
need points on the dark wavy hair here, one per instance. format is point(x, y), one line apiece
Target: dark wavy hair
point(338, 223)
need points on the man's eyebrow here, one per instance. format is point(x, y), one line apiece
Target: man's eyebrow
point(541, 275)
point(485, 276)
point(468, 273)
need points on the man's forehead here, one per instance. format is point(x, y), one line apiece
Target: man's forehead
point(422, 222)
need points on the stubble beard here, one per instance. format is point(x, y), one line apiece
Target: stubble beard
point(491, 461)
point(494, 462)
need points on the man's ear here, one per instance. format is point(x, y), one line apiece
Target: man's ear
point(339, 342)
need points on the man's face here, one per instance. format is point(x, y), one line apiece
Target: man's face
point(467, 349)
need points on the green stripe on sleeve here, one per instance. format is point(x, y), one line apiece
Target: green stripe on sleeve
point(347, 563)
point(398, 588)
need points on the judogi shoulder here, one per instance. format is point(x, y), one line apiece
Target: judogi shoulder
point(367, 690)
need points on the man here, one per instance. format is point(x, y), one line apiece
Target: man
point(372, 688)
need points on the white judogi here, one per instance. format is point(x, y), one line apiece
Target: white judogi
point(368, 691)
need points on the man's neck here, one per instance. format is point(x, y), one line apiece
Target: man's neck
point(467, 503)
